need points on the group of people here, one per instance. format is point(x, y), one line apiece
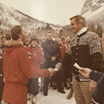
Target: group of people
point(31, 61)
point(53, 60)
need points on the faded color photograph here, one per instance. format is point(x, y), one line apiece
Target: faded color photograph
point(51, 51)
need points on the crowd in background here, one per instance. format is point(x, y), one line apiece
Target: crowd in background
point(52, 59)
point(35, 44)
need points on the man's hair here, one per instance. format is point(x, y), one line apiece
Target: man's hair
point(43, 38)
point(8, 36)
point(16, 30)
point(78, 19)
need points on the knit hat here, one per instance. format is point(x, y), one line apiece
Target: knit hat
point(36, 39)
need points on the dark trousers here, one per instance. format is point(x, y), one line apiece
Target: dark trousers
point(46, 83)
point(33, 86)
point(58, 78)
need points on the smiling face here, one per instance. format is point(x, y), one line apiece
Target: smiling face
point(76, 27)
point(34, 43)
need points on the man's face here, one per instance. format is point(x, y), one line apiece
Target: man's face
point(43, 40)
point(34, 43)
point(24, 34)
point(63, 41)
point(26, 42)
point(59, 41)
point(4, 40)
point(76, 27)
point(49, 36)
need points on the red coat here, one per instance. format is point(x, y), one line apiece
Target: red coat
point(37, 58)
point(17, 69)
point(63, 51)
point(16, 72)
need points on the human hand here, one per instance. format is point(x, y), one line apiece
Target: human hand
point(85, 72)
point(4, 80)
point(56, 69)
point(92, 86)
point(1, 52)
point(51, 71)
point(53, 59)
point(29, 53)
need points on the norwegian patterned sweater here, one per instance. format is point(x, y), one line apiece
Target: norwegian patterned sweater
point(85, 50)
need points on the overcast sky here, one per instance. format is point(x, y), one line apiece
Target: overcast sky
point(52, 11)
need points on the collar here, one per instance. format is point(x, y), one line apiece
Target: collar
point(51, 41)
point(11, 43)
point(84, 29)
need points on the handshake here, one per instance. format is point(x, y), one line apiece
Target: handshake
point(53, 71)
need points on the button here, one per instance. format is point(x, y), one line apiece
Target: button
point(76, 47)
point(76, 53)
point(77, 43)
point(76, 59)
point(77, 37)
point(75, 70)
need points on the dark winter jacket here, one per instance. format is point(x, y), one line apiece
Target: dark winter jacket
point(98, 94)
point(50, 49)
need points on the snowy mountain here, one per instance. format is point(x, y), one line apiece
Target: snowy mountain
point(10, 16)
point(93, 11)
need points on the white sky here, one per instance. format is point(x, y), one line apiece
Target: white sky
point(52, 11)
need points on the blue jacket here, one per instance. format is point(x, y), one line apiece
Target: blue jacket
point(98, 94)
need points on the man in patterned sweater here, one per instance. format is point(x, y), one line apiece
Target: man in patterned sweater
point(85, 50)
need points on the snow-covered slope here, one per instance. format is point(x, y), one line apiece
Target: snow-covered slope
point(93, 10)
point(10, 16)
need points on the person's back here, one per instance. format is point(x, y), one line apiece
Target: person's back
point(14, 62)
point(16, 68)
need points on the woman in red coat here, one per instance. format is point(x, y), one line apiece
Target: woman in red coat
point(36, 58)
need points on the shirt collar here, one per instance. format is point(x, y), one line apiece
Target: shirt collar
point(82, 31)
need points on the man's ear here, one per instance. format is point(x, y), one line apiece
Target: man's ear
point(80, 23)
point(20, 35)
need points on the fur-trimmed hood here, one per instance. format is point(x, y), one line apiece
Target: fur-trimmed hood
point(10, 45)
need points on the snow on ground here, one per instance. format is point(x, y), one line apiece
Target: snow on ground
point(54, 97)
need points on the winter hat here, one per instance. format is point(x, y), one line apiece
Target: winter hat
point(36, 39)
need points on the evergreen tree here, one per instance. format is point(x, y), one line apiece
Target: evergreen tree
point(91, 27)
point(48, 26)
point(99, 30)
point(60, 33)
